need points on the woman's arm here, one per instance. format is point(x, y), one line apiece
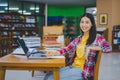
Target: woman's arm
point(94, 48)
point(105, 46)
point(66, 50)
point(87, 51)
point(101, 44)
point(71, 47)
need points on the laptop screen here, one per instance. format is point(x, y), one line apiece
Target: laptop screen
point(23, 45)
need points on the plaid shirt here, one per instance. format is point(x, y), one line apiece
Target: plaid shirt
point(88, 70)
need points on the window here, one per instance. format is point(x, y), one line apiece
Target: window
point(28, 8)
point(3, 6)
point(15, 6)
point(22, 7)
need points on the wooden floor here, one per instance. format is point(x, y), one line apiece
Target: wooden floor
point(109, 70)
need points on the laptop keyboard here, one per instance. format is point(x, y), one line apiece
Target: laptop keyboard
point(38, 55)
point(37, 51)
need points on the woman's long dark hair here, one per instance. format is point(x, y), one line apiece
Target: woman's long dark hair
point(92, 32)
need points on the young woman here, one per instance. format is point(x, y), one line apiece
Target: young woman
point(84, 49)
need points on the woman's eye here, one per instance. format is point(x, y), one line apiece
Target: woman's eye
point(87, 22)
point(82, 22)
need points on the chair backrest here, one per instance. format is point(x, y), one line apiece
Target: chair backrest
point(53, 30)
point(50, 35)
point(97, 65)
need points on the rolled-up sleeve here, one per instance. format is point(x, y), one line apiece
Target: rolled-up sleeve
point(70, 48)
point(106, 47)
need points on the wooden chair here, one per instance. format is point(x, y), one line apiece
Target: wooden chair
point(50, 35)
point(97, 65)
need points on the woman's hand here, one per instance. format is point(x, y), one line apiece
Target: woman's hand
point(87, 51)
point(52, 53)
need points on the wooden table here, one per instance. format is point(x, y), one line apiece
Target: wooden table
point(20, 62)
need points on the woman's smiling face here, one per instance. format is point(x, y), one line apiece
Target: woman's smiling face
point(85, 25)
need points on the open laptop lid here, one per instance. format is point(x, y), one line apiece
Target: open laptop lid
point(23, 45)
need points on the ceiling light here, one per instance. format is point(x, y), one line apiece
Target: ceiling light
point(3, 4)
point(27, 13)
point(32, 8)
point(2, 11)
point(20, 11)
point(13, 8)
point(6, 8)
point(37, 8)
point(37, 11)
point(24, 11)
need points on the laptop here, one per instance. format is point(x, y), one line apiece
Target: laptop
point(34, 54)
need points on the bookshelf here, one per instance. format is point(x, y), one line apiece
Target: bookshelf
point(116, 38)
point(16, 25)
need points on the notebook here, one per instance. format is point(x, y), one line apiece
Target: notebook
point(34, 54)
